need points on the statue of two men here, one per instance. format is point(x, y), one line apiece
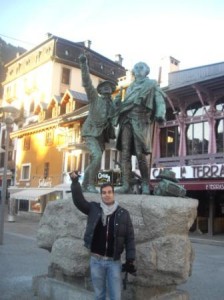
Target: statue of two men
point(143, 103)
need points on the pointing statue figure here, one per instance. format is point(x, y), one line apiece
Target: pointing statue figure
point(97, 129)
point(143, 103)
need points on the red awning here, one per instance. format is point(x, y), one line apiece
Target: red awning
point(199, 185)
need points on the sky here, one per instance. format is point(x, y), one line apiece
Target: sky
point(144, 30)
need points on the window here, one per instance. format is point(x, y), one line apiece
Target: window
point(25, 172)
point(54, 112)
point(197, 138)
point(49, 138)
point(220, 135)
point(66, 76)
point(26, 143)
point(69, 106)
point(169, 141)
point(74, 162)
point(46, 169)
point(48, 114)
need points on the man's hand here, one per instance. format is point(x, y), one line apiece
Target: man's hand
point(129, 267)
point(82, 59)
point(74, 175)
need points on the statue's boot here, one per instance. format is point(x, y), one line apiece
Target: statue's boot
point(143, 167)
point(126, 178)
point(145, 188)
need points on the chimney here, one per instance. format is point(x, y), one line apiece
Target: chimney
point(48, 35)
point(118, 59)
point(168, 64)
point(88, 44)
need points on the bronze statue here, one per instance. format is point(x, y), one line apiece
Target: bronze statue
point(143, 103)
point(97, 129)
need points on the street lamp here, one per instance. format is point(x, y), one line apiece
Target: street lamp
point(10, 113)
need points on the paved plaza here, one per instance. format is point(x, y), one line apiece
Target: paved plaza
point(21, 259)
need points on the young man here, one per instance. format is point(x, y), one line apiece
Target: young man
point(109, 230)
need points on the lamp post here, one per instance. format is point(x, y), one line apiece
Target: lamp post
point(10, 113)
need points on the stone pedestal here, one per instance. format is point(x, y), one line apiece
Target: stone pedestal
point(164, 252)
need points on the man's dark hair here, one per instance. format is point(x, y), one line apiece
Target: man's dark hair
point(105, 185)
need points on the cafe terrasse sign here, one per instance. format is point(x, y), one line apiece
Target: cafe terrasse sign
point(214, 171)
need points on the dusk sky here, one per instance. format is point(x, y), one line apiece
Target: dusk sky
point(143, 30)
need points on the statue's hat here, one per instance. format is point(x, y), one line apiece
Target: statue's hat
point(112, 84)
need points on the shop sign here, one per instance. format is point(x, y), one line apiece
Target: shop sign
point(45, 182)
point(109, 176)
point(214, 186)
point(194, 172)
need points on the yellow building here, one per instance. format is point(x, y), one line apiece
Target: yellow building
point(45, 85)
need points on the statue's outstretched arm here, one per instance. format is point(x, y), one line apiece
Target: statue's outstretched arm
point(86, 80)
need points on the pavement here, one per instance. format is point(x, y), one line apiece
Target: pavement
point(21, 259)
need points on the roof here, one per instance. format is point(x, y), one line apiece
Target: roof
point(185, 83)
point(81, 97)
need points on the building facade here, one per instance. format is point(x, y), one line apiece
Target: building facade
point(191, 141)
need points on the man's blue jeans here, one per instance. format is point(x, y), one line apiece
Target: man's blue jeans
point(106, 273)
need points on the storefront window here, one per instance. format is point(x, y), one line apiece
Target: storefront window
point(220, 135)
point(197, 138)
point(35, 206)
point(169, 141)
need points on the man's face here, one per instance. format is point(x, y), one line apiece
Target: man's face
point(106, 89)
point(107, 195)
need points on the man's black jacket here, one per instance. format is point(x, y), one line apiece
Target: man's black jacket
point(123, 229)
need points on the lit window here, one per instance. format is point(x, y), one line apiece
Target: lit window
point(169, 141)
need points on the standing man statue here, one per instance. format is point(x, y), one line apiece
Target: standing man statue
point(143, 103)
point(97, 129)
